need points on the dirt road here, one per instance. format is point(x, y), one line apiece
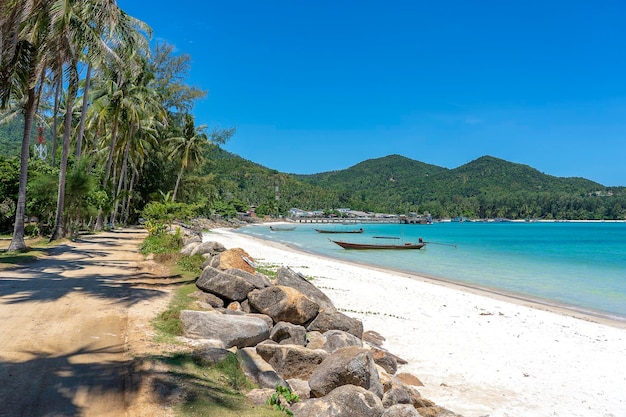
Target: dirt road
point(72, 326)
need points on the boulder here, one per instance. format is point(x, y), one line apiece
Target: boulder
point(286, 333)
point(337, 339)
point(189, 247)
point(206, 297)
point(409, 379)
point(396, 395)
point(208, 247)
point(259, 281)
point(336, 320)
point(344, 401)
point(373, 338)
point(227, 286)
point(234, 306)
point(290, 278)
point(385, 360)
point(284, 304)
point(401, 410)
point(350, 365)
point(232, 258)
point(291, 361)
point(315, 340)
point(259, 396)
point(300, 387)
point(257, 369)
point(231, 330)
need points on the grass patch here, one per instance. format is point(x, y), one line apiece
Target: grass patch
point(161, 243)
point(37, 248)
point(205, 389)
point(269, 270)
point(168, 323)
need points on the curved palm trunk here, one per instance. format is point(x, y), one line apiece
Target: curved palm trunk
point(57, 96)
point(17, 242)
point(83, 113)
point(130, 194)
point(107, 174)
point(59, 222)
point(180, 174)
point(121, 182)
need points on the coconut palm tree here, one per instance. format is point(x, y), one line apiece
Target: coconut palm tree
point(79, 26)
point(188, 147)
point(23, 37)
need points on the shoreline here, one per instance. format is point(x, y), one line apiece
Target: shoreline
point(477, 352)
point(596, 316)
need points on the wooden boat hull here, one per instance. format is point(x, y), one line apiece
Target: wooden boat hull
point(282, 228)
point(350, 245)
point(338, 231)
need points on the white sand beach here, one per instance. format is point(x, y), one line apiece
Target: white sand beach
point(478, 354)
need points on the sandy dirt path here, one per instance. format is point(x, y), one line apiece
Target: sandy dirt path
point(72, 326)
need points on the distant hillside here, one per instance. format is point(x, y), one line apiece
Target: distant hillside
point(484, 188)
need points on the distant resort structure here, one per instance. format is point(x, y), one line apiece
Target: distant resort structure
point(348, 216)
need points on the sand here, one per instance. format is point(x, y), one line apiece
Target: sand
point(478, 354)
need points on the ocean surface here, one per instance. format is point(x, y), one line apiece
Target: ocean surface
point(579, 264)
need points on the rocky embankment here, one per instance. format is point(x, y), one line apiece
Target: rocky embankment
point(288, 332)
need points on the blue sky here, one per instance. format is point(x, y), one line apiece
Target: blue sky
point(315, 86)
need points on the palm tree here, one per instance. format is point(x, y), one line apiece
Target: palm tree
point(76, 27)
point(23, 38)
point(188, 147)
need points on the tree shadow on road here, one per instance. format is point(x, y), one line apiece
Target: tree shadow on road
point(56, 385)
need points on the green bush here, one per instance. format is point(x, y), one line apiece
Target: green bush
point(162, 243)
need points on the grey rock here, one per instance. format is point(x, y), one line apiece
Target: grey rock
point(189, 247)
point(291, 361)
point(232, 330)
point(349, 365)
point(284, 304)
point(208, 247)
point(401, 410)
point(385, 360)
point(290, 278)
point(396, 395)
point(286, 333)
point(315, 340)
point(259, 281)
point(257, 369)
point(344, 401)
point(300, 387)
point(227, 286)
point(337, 339)
point(326, 321)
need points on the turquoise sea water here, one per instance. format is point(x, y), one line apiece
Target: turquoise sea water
point(582, 265)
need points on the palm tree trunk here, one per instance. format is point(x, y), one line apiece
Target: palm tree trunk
point(119, 185)
point(59, 223)
point(100, 218)
point(180, 174)
point(83, 113)
point(17, 242)
point(130, 193)
point(57, 97)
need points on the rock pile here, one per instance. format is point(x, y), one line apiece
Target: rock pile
point(288, 332)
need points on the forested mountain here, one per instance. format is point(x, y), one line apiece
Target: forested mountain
point(486, 187)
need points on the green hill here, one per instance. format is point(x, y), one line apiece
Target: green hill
point(485, 187)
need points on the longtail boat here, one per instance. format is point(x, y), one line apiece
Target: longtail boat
point(351, 245)
point(360, 230)
point(282, 228)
